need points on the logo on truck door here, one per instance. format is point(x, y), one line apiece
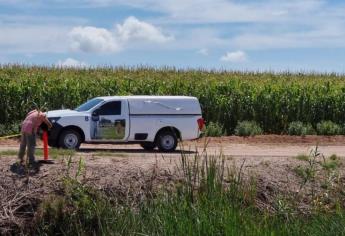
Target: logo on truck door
point(106, 122)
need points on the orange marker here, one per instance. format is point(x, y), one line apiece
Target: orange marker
point(45, 145)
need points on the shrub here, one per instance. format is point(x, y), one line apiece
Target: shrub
point(328, 128)
point(214, 130)
point(303, 157)
point(8, 129)
point(331, 163)
point(248, 128)
point(299, 128)
point(79, 211)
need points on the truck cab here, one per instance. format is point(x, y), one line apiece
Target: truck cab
point(152, 121)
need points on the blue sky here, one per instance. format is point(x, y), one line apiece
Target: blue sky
point(276, 35)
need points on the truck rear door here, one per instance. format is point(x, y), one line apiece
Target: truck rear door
point(110, 121)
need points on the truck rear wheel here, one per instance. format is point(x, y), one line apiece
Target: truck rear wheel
point(70, 139)
point(148, 146)
point(166, 141)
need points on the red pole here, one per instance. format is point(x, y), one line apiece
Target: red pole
point(45, 145)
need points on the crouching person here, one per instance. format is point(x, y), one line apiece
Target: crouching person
point(28, 134)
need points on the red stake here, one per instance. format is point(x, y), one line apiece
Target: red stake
point(45, 145)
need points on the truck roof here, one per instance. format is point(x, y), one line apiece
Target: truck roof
point(106, 98)
point(169, 105)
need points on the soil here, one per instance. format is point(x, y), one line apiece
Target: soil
point(270, 158)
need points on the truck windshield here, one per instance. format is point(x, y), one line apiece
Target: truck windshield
point(89, 104)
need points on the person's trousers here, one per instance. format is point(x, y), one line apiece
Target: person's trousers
point(27, 141)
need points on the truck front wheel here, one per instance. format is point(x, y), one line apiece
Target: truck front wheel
point(166, 141)
point(70, 139)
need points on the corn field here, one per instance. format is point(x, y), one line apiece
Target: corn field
point(273, 100)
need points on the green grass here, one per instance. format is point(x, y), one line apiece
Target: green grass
point(57, 152)
point(53, 152)
point(109, 153)
point(208, 200)
point(331, 163)
point(302, 157)
point(212, 214)
point(8, 153)
point(303, 172)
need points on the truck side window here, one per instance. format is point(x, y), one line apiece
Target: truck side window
point(110, 108)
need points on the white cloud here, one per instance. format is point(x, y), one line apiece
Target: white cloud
point(203, 51)
point(92, 39)
point(134, 29)
point(70, 62)
point(269, 23)
point(238, 56)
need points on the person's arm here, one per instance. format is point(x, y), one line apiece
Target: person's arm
point(45, 120)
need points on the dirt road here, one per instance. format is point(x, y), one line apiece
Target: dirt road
point(271, 155)
point(260, 146)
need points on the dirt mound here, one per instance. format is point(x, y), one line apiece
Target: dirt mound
point(129, 172)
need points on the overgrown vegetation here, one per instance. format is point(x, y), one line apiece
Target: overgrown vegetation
point(328, 128)
point(318, 172)
point(271, 100)
point(300, 128)
point(248, 128)
point(214, 130)
point(9, 128)
point(209, 199)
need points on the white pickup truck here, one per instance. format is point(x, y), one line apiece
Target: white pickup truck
point(152, 121)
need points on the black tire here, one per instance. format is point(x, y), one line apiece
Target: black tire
point(70, 139)
point(53, 144)
point(148, 146)
point(166, 141)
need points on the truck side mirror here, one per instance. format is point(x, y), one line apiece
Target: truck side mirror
point(95, 113)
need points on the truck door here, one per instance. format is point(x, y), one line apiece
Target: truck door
point(110, 121)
